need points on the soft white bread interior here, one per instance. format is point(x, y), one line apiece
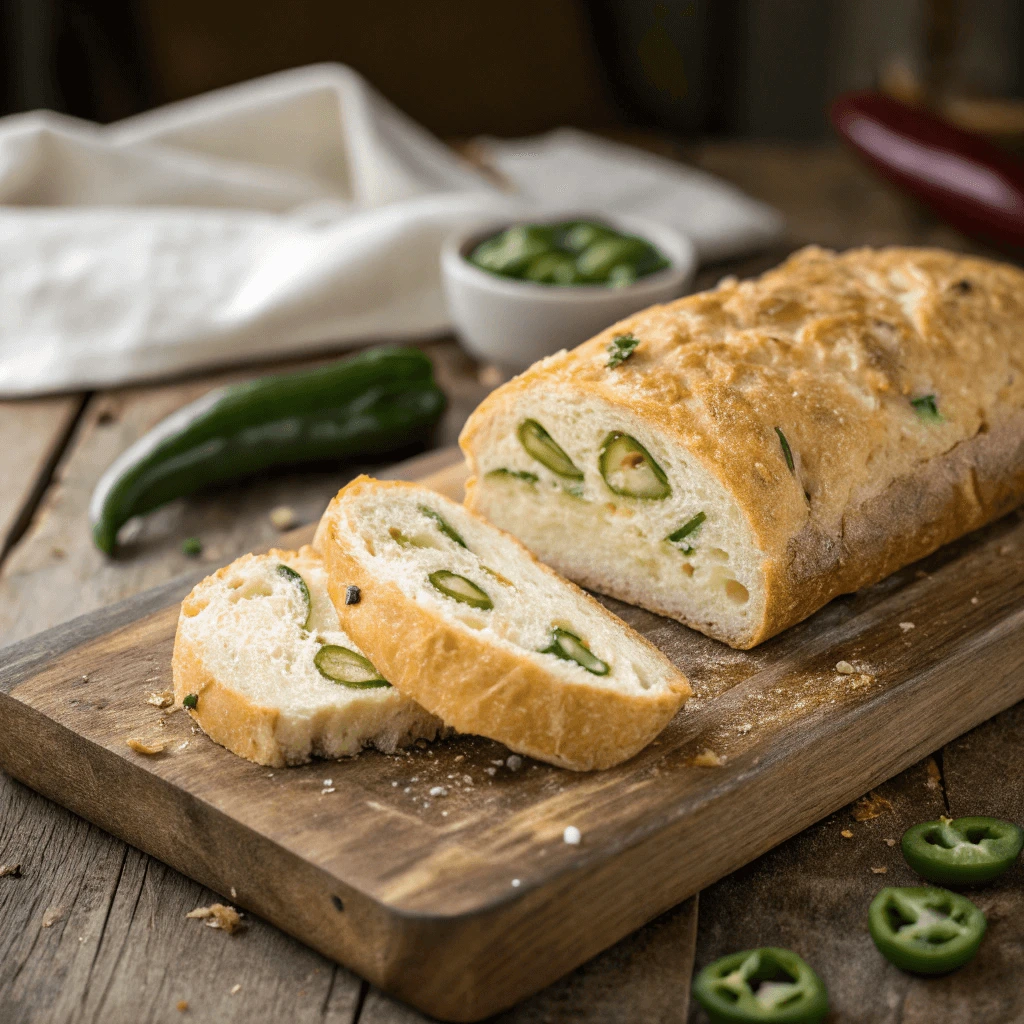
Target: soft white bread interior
point(737, 458)
point(247, 647)
point(459, 616)
point(711, 577)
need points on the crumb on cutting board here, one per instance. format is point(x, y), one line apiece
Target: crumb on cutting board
point(160, 698)
point(283, 517)
point(879, 871)
point(846, 834)
point(142, 747)
point(708, 759)
point(181, 1005)
point(845, 668)
point(10, 871)
point(227, 919)
point(51, 916)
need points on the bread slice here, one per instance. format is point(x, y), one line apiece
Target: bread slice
point(465, 621)
point(248, 643)
point(738, 458)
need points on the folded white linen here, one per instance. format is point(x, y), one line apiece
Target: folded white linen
point(297, 212)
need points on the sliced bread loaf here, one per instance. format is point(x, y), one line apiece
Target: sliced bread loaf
point(460, 617)
point(263, 666)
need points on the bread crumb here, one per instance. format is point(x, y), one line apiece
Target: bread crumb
point(141, 747)
point(934, 780)
point(490, 770)
point(51, 916)
point(846, 834)
point(514, 763)
point(845, 668)
point(879, 871)
point(516, 883)
point(744, 728)
point(182, 746)
point(889, 842)
point(572, 836)
point(459, 757)
point(974, 600)
point(10, 871)
point(328, 782)
point(227, 919)
point(283, 517)
point(181, 1005)
point(872, 805)
point(327, 789)
point(906, 626)
point(467, 779)
point(708, 759)
point(234, 894)
point(1005, 549)
point(438, 791)
point(235, 989)
point(161, 698)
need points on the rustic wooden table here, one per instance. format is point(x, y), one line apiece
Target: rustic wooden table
point(94, 930)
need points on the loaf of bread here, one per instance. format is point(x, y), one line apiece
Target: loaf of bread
point(263, 665)
point(461, 618)
point(737, 458)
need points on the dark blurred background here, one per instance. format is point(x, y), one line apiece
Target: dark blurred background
point(695, 68)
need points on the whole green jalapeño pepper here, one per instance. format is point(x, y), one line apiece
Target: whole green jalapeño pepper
point(372, 404)
point(761, 986)
point(927, 931)
point(962, 851)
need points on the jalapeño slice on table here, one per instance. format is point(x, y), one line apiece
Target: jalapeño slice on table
point(451, 584)
point(927, 931)
point(570, 647)
point(962, 851)
point(443, 525)
point(341, 665)
point(629, 469)
point(295, 578)
point(540, 445)
point(761, 985)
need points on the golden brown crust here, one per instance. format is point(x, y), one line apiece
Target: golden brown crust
point(477, 687)
point(831, 349)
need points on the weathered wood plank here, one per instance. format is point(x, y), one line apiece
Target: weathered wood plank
point(32, 435)
point(645, 977)
point(122, 950)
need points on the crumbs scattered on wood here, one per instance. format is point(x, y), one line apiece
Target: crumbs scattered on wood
point(744, 728)
point(234, 894)
point(572, 836)
point(889, 842)
point(142, 747)
point(51, 916)
point(845, 668)
point(10, 871)
point(161, 698)
point(227, 919)
point(934, 780)
point(708, 759)
point(879, 871)
point(283, 517)
point(906, 626)
point(514, 763)
point(872, 805)
point(974, 600)
point(328, 789)
point(181, 1005)
point(235, 989)
point(460, 757)
point(846, 834)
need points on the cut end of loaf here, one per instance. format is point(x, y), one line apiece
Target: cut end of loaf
point(605, 516)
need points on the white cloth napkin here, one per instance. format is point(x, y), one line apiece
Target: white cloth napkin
point(297, 212)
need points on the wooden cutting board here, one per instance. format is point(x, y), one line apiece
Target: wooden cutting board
point(463, 904)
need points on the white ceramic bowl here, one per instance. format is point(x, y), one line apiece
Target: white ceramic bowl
point(514, 323)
